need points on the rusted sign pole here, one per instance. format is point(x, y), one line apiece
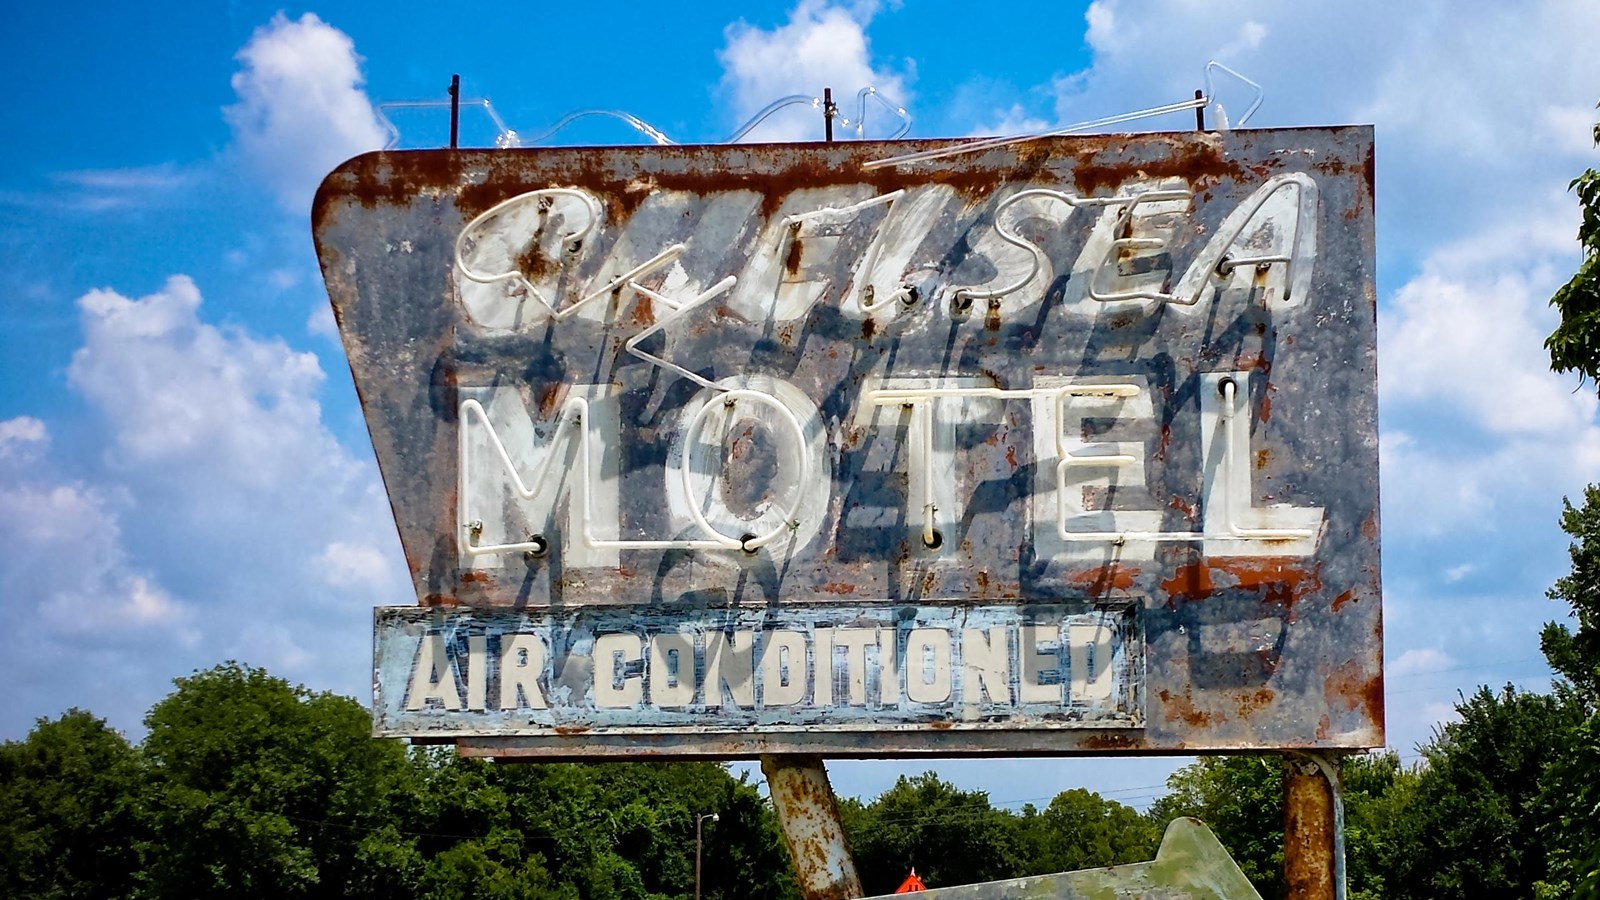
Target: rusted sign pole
point(809, 818)
point(1313, 829)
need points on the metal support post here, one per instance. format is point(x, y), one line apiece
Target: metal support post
point(455, 111)
point(808, 815)
point(829, 111)
point(1313, 828)
point(1199, 112)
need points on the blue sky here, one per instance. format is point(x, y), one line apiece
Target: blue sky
point(184, 475)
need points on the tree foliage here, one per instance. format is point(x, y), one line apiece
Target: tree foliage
point(948, 835)
point(1241, 799)
point(1575, 344)
point(69, 824)
point(246, 786)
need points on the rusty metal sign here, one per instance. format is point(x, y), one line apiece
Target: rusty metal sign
point(1066, 446)
point(623, 669)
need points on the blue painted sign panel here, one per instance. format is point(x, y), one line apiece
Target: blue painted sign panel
point(841, 668)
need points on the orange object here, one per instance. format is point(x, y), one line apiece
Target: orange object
point(912, 883)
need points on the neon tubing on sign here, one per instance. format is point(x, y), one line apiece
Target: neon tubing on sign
point(573, 413)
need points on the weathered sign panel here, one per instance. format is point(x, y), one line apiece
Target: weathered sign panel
point(815, 666)
point(1069, 446)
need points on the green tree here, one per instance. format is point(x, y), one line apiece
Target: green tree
point(1379, 798)
point(1480, 803)
point(1241, 799)
point(1574, 839)
point(1571, 793)
point(1575, 344)
point(1575, 655)
point(1082, 830)
point(948, 835)
point(69, 814)
point(601, 832)
point(260, 789)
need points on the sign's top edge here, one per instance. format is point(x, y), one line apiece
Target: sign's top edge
point(440, 167)
point(903, 143)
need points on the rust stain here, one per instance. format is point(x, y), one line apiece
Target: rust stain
point(1191, 582)
point(1344, 598)
point(1278, 581)
point(534, 264)
point(549, 395)
point(1102, 580)
point(1200, 163)
point(791, 260)
point(1255, 701)
point(1350, 686)
point(1263, 457)
point(1309, 839)
point(869, 327)
point(1282, 582)
point(940, 725)
point(1110, 742)
point(571, 729)
point(1181, 706)
point(1011, 457)
point(644, 312)
point(1183, 506)
point(475, 577)
point(479, 179)
point(1266, 403)
point(1369, 528)
point(983, 582)
point(839, 587)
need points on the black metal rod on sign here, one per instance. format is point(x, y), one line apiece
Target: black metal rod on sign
point(455, 110)
point(828, 112)
point(1199, 112)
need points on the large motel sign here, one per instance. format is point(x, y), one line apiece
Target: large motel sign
point(1068, 446)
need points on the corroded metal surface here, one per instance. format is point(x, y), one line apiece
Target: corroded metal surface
point(1190, 865)
point(817, 668)
point(1313, 829)
point(1085, 374)
point(808, 815)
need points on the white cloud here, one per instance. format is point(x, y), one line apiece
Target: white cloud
point(163, 177)
point(1476, 109)
point(1419, 661)
point(178, 390)
point(822, 45)
point(67, 567)
point(301, 108)
point(1468, 330)
point(259, 537)
point(1015, 120)
point(344, 564)
point(22, 438)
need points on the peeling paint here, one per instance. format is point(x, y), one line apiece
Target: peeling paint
point(1264, 607)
